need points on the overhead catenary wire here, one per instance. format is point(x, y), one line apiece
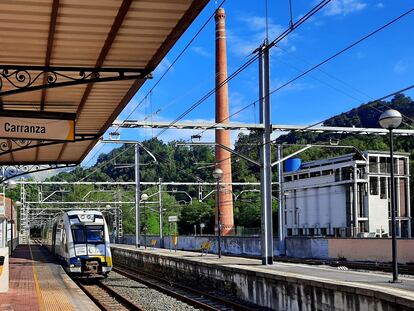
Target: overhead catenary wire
point(245, 65)
point(309, 70)
point(165, 73)
point(327, 60)
point(258, 145)
point(343, 82)
point(174, 61)
point(313, 11)
point(342, 51)
point(283, 35)
point(368, 105)
point(322, 121)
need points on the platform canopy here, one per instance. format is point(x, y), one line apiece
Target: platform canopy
point(82, 57)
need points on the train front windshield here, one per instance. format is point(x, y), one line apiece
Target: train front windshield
point(88, 234)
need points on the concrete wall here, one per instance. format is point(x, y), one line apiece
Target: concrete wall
point(304, 247)
point(371, 249)
point(275, 291)
point(249, 246)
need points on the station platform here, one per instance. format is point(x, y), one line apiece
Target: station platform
point(38, 282)
point(273, 285)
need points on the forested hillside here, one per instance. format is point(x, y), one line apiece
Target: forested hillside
point(181, 164)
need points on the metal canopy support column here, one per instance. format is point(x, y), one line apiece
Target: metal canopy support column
point(137, 196)
point(265, 157)
point(281, 202)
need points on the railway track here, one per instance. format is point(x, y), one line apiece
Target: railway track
point(198, 299)
point(105, 297)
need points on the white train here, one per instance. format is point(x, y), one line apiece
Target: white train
point(80, 239)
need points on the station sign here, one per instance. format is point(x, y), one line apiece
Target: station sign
point(37, 125)
point(172, 218)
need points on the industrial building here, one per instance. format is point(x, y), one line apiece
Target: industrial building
point(347, 196)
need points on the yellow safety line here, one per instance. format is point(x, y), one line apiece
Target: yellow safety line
point(37, 286)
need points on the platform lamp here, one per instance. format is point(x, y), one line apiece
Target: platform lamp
point(11, 184)
point(218, 174)
point(391, 119)
point(144, 198)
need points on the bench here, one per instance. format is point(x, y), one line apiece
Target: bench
point(205, 247)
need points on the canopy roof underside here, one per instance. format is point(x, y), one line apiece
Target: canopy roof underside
point(84, 33)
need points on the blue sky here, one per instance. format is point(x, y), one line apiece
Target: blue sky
point(378, 66)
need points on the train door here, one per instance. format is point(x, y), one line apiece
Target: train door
point(54, 238)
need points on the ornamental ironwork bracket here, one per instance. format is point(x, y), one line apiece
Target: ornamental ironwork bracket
point(13, 145)
point(15, 79)
point(13, 171)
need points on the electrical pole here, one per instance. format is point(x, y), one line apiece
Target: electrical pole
point(265, 157)
point(137, 196)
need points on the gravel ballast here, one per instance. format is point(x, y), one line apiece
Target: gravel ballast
point(148, 298)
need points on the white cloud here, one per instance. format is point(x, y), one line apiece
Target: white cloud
point(380, 5)
point(201, 51)
point(400, 67)
point(344, 7)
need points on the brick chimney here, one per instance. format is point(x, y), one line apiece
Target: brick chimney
point(223, 159)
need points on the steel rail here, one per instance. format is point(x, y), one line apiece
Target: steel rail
point(137, 276)
point(99, 291)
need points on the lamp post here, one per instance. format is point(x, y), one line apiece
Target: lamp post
point(391, 119)
point(218, 174)
point(144, 198)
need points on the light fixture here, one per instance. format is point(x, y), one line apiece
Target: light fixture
point(10, 184)
point(390, 119)
point(218, 173)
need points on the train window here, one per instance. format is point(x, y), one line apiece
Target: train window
point(78, 235)
point(95, 234)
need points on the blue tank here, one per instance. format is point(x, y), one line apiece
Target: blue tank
point(292, 164)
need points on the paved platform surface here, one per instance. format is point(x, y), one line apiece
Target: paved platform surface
point(38, 282)
point(364, 280)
